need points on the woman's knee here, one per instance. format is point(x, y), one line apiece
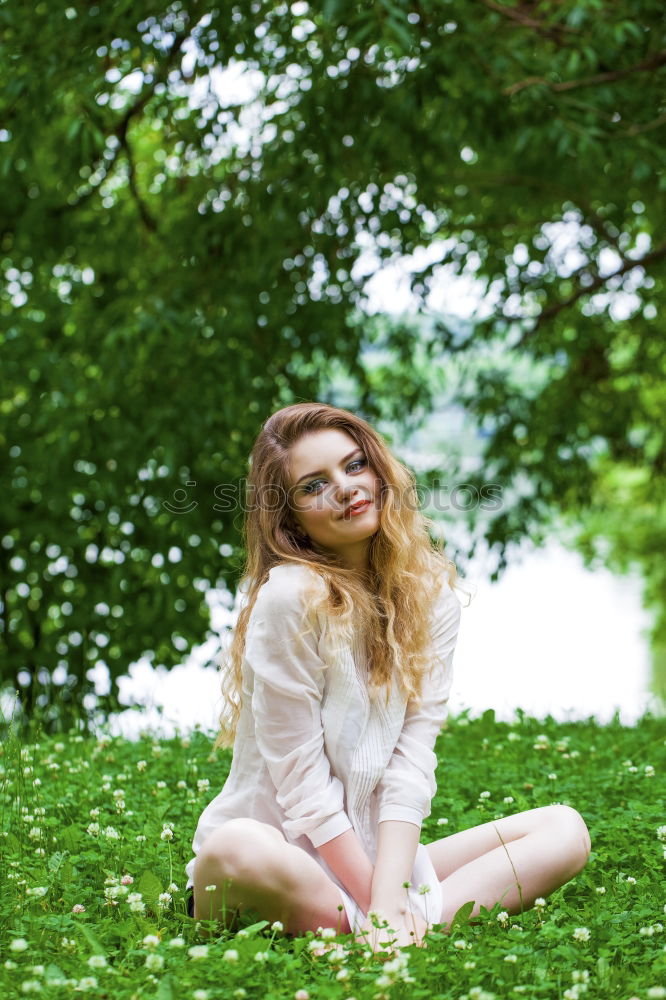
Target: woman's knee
point(241, 847)
point(573, 831)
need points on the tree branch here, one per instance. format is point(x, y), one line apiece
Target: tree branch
point(518, 16)
point(146, 217)
point(653, 62)
point(120, 131)
point(628, 264)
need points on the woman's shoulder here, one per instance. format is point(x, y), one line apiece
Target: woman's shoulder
point(452, 593)
point(289, 586)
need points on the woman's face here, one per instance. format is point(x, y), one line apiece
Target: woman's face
point(329, 476)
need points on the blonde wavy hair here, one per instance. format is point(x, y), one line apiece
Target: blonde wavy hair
point(389, 603)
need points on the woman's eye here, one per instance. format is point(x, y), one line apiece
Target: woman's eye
point(310, 488)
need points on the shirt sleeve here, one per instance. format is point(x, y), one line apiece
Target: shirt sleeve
point(408, 785)
point(286, 705)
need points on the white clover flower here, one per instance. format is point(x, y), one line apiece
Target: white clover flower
point(172, 887)
point(38, 891)
point(97, 962)
point(508, 799)
point(326, 932)
point(342, 974)
point(646, 931)
point(301, 995)
point(649, 771)
point(442, 821)
point(140, 838)
point(539, 902)
point(38, 970)
point(260, 956)
point(31, 986)
point(470, 964)
point(656, 992)
point(111, 833)
point(35, 833)
point(166, 834)
point(230, 955)
point(580, 975)
point(19, 944)
point(164, 898)
point(581, 934)
point(200, 995)
point(177, 942)
point(484, 795)
point(277, 926)
point(151, 941)
point(141, 765)
point(134, 897)
point(511, 958)
point(503, 918)
point(631, 880)
point(87, 983)
point(154, 962)
point(661, 833)
point(460, 944)
point(601, 889)
point(198, 951)
point(552, 776)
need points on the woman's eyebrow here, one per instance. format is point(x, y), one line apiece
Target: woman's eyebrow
point(319, 472)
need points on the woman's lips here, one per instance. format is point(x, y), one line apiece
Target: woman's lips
point(357, 509)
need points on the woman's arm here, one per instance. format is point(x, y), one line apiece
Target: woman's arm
point(408, 785)
point(345, 856)
point(396, 850)
point(286, 705)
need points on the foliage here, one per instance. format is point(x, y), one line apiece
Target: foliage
point(192, 199)
point(63, 797)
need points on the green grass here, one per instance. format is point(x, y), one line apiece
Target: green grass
point(62, 794)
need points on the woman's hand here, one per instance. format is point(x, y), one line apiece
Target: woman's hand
point(398, 928)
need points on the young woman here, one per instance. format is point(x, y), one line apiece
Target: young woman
point(340, 670)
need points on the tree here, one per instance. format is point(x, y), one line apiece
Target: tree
point(178, 262)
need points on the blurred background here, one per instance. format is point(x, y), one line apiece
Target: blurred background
point(446, 217)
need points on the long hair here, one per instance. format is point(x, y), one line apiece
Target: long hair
point(389, 603)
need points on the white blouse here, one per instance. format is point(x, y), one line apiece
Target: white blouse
point(313, 756)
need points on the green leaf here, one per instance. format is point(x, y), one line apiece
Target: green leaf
point(255, 928)
point(92, 940)
point(72, 838)
point(150, 888)
point(164, 990)
point(461, 915)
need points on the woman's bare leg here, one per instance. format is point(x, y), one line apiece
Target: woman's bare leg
point(511, 861)
point(253, 867)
